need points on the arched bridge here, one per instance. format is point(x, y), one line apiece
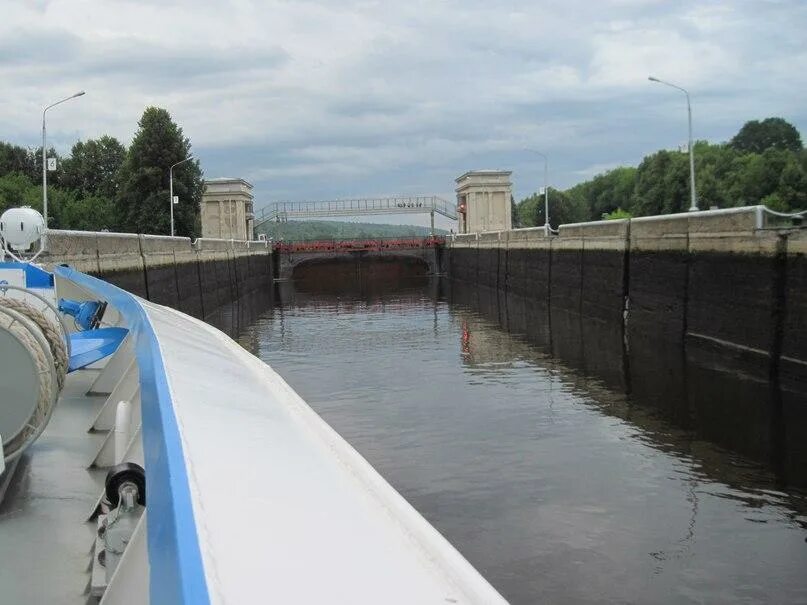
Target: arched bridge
point(425, 251)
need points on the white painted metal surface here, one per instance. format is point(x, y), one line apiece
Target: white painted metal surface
point(252, 497)
point(285, 509)
point(128, 585)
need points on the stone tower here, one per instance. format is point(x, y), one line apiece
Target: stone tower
point(227, 209)
point(483, 201)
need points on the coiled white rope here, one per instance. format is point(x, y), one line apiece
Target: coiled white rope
point(52, 332)
point(46, 304)
point(27, 332)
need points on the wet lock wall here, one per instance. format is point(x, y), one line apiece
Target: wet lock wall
point(709, 329)
point(196, 278)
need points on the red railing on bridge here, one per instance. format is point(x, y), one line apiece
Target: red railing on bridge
point(377, 244)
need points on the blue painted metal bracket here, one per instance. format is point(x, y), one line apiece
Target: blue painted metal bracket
point(93, 345)
point(35, 277)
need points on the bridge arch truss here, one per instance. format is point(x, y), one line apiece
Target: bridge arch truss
point(420, 204)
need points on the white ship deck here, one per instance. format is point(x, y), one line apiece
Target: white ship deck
point(45, 537)
point(251, 496)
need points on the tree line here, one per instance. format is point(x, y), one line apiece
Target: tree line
point(102, 185)
point(764, 163)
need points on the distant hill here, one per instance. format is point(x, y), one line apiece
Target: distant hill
point(303, 230)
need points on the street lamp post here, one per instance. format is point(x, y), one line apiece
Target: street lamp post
point(547, 228)
point(693, 199)
point(171, 189)
point(45, 156)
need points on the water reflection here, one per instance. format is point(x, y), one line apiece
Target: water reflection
point(235, 318)
point(567, 463)
point(694, 389)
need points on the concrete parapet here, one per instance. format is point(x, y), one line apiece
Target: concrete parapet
point(617, 229)
point(797, 243)
point(118, 252)
point(727, 220)
point(467, 240)
point(734, 231)
point(492, 238)
point(120, 261)
point(763, 243)
point(79, 249)
point(206, 244)
point(258, 244)
point(160, 248)
point(651, 233)
point(531, 237)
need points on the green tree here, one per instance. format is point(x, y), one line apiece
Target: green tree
point(14, 158)
point(515, 221)
point(16, 189)
point(754, 176)
point(756, 136)
point(93, 168)
point(662, 184)
point(617, 214)
point(91, 213)
point(143, 200)
point(775, 202)
point(792, 186)
point(54, 176)
point(563, 209)
point(606, 192)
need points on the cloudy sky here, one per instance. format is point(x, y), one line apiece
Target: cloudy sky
point(329, 99)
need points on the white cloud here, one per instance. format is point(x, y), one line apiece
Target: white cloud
point(348, 98)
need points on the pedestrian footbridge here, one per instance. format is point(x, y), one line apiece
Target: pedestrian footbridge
point(421, 204)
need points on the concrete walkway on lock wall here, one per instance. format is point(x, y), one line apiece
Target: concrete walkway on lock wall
point(194, 277)
point(731, 282)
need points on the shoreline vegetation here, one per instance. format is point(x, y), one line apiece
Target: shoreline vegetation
point(103, 185)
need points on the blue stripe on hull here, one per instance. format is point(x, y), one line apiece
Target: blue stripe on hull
point(175, 560)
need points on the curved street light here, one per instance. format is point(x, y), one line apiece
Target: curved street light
point(547, 228)
point(693, 206)
point(45, 158)
point(171, 188)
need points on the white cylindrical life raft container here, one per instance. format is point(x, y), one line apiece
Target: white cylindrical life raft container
point(33, 364)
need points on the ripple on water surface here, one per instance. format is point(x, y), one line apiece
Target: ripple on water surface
point(527, 453)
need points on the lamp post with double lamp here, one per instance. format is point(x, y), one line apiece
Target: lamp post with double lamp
point(45, 156)
point(547, 228)
point(171, 188)
point(693, 199)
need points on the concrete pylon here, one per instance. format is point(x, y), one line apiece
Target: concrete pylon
point(483, 201)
